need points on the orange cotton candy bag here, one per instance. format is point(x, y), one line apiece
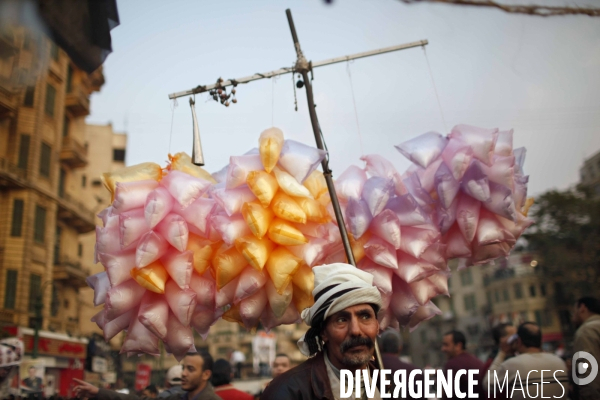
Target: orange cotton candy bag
point(270, 143)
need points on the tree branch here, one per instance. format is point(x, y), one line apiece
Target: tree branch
point(533, 9)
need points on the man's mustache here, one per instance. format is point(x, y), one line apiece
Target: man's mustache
point(356, 341)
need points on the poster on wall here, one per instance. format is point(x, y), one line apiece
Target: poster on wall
point(32, 378)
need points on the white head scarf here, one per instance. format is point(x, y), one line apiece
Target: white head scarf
point(337, 286)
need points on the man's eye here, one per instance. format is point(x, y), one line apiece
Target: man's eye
point(341, 319)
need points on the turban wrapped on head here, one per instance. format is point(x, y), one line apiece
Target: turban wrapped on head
point(337, 286)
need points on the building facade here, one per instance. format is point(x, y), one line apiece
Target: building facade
point(44, 202)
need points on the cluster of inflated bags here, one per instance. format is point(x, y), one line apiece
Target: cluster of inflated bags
point(182, 248)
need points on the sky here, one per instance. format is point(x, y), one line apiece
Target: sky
point(483, 67)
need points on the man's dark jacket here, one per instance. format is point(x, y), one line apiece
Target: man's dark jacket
point(306, 381)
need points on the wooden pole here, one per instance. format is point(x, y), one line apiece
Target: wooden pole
point(302, 67)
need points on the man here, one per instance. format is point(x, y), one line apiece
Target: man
point(500, 334)
point(280, 365)
point(454, 345)
point(390, 347)
point(172, 382)
point(529, 369)
point(150, 392)
point(587, 338)
point(343, 329)
point(195, 381)
point(221, 381)
point(237, 360)
point(34, 384)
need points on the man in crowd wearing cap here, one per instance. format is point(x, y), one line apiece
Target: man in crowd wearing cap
point(529, 368)
point(195, 381)
point(343, 329)
point(172, 382)
point(587, 338)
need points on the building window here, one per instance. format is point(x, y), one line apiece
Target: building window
point(518, 291)
point(39, 233)
point(16, 227)
point(469, 300)
point(10, 289)
point(29, 96)
point(505, 295)
point(532, 291)
point(35, 285)
point(24, 152)
point(80, 250)
point(548, 318)
point(50, 98)
point(69, 79)
point(45, 159)
point(489, 297)
point(65, 127)
point(466, 278)
point(96, 183)
point(542, 290)
point(57, 238)
point(62, 177)
point(119, 155)
point(83, 181)
point(54, 51)
point(55, 304)
point(497, 296)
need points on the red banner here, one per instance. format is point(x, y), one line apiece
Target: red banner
point(142, 376)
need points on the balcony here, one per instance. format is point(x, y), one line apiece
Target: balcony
point(75, 214)
point(70, 272)
point(73, 153)
point(11, 175)
point(7, 45)
point(7, 317)
point(77, 101)
point(8, 100)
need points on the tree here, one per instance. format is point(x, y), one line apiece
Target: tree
point(566, 240)
point(530, 9)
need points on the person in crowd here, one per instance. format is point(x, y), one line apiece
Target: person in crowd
point(172, 382)
point(454, 344)
point(221, 381)
point(500, 334)
point(237, 360)
point(587, 338)
point(528, 368)
point(150, 392)
point(390, 347)
point(343, 329)
point(195, 381)
point(281, 364)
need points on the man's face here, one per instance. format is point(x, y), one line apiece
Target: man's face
point(192, 375)
point(449, 347)
point(280, 365)
point(350, 336)
point(147, 393)
point(32, 372)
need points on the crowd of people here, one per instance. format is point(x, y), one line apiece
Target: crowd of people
point(342, 335)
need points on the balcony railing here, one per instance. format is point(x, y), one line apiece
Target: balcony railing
point(73, 153)
point(70, 271)
point(11, 175)
point(77, 101)
point(76, 214)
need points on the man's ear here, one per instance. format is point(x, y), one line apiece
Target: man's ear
point(206, 375)
point(324, 336)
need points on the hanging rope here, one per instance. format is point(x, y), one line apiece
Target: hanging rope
point(437, 96)
point(360, 142)
point(173, 107)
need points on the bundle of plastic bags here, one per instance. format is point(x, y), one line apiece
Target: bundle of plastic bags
point(183, 248)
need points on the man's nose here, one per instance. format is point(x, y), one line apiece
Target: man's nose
point(355, 327)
